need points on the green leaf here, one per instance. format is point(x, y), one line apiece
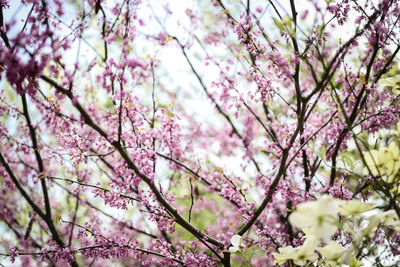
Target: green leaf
point(9, 92)
point(322, 152)
point(354, 262)
point(279, 24)
point(346, 157)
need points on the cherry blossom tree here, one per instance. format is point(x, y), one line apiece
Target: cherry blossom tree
point(199, 133)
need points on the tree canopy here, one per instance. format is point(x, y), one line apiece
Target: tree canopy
point(199, 133)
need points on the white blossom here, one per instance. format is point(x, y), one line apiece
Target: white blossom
point(321, 215)
point(236, 241)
